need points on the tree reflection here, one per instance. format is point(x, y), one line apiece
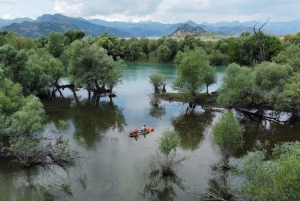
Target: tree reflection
point(219, 187)
point(161, 187)
point(90, 117)
point(191, 127)
point(261, 133)
point(156, 110)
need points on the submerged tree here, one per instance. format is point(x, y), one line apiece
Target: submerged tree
point(164, 161)
point(157, 80)
point(192, 66)
point(227, 135)
point(114, 75)
point(89, 64)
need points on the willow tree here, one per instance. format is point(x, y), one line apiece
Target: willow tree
point(192, 66)
point(157, 80)
point(114, 75)
point(89, 64)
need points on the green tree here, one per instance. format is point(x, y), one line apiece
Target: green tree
point(192, 66)
point(290, 96)
point(157, 80)
point(14, 64)
point(238, 86)
point(89, 64)
point(164, 53)
point(210, 77)
point(114, 75)
point(36, 79)
point(56, 42)
point(217, 58)
point(227, 135)
point(290, 55)
point(167, 145)
point(270, 79)
point(275, 179)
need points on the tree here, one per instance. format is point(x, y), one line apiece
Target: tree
point(36, 79)
point(56, 44)
point(192, 66)
point(114, 75)
point(238, 86)
point(164, 53)
point(14, 64)
point(290, 55)
point(274, 179)
point(290, 96)
point(270, 79)
point(217, 58)
point(210, 77)
point(167, 146)
point(227, 135)
point(157, 80)
point(89, 64)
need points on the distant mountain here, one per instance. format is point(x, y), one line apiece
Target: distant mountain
point(5, 22)
point(275, 28)
point(60, 23)
point(139, 29)
point(187, 29)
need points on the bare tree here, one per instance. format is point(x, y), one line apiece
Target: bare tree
point(260, 41)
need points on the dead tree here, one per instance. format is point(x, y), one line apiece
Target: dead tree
point(260, 42)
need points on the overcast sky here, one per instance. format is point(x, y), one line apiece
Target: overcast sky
point(166, 11)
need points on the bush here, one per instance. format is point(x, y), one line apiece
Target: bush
point(227, 135)
point(276, 179)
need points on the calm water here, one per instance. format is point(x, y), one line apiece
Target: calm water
point(112, 166)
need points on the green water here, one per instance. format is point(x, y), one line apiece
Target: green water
point(113, 166)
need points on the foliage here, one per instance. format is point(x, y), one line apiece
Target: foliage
point(270, 79)
point(28, 119)
point(290, 55)
point(210, 77)
point(290, 96)
point(115, 74)
point(56, 44)
point(89, 64)
point(244, 50)
point(192, 66)
point(169, 142)
point(165, 157)
point(157, 80)
point(237, 86)
point(227, 135)
point(275, 179)
point(216, 57)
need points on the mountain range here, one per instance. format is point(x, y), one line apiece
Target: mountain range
point(60, 23)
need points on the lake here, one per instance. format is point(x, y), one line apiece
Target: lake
point(113, 166)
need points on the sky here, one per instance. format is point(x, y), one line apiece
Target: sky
point(165, 11)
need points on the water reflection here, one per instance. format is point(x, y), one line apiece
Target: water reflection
point(156, 110)
point(90, 118)
point(191, 127)
point(267, 129)
point(162, 188)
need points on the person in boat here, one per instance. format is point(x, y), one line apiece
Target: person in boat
point(135, 130)
point(144, 129)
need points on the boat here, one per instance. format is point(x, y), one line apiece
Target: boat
point(148, 130)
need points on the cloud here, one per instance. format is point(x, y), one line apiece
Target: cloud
point(167, 11)
point(106, 7)
point(7, 2)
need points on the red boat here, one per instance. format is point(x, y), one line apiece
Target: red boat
point(148, 130)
